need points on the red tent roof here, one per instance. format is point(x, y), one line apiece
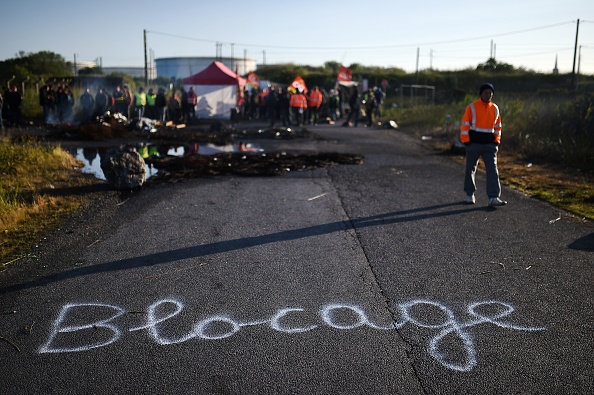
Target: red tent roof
point(215, 74)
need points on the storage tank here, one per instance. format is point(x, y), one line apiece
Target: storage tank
point(183, 67)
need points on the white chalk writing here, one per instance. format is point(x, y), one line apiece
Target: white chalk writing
point(421, 313)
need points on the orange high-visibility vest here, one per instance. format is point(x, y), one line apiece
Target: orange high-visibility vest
point(315, 98)
point(298, 100)
point(481, 123)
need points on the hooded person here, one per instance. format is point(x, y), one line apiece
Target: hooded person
point(480, 131)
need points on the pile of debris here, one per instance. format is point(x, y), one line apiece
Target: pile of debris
point(264, 164)
point(125, 168)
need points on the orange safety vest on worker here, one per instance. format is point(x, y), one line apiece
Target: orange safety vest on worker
point(315, 98)
point(298, 100)
point(481, 123)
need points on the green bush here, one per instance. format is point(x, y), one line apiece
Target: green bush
point(540, 127)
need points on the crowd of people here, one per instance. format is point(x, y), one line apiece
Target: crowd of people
point(316, 106)
point(11, 101)
point(60, 106)
point(277, 105)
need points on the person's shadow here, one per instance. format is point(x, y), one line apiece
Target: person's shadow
point(158, 258)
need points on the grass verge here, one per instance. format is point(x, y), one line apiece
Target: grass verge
point(36, 194)
point(565, 187)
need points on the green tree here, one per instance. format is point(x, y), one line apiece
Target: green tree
point(39, 65)
point(332, 66)
point(91, 71)
point(492, 65)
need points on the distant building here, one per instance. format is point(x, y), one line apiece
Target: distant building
point(178, 68)
point(184, 67)
point(556, 70)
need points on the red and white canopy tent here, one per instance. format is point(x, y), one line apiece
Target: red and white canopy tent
point(216, 87)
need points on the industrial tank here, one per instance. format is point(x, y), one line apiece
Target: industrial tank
point(183, 67)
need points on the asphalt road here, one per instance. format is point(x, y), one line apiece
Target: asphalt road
point(362, 279)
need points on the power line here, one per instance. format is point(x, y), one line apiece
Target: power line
point(368, 47)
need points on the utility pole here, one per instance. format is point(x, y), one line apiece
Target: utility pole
point(151, 69)
point(577, 79)
point(232, 57)
point(417, 69)
point(145, 61)
point(577, 29)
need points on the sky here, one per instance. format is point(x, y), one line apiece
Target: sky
point(411, 35)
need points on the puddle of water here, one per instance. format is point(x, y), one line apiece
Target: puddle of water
point(91, 157)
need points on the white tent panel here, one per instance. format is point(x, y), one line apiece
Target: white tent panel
point(214, 101)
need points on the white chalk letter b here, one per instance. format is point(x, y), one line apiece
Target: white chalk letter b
point(83, 333)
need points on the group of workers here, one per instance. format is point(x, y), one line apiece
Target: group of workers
point(296, 107)
point(58, 104)
point(287, 106)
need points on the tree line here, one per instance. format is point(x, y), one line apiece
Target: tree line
point(450, 86)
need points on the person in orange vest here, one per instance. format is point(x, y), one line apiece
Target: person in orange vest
point(298, 103)
point(480, 131)
point(314, 102)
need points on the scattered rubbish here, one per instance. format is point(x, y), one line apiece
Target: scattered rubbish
point(283, 133)
point(28, 329)
point(316, 197)
point(554, 220)
point(243, 158)
point(12, 261)
point(425, 138)
point(147, 125)
point(529, 165)
point(390, 125)
point(93, 243)
point(528, 267)
point(175, 151)
point(261, 164)
point(9, 312)
point(119, 116)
